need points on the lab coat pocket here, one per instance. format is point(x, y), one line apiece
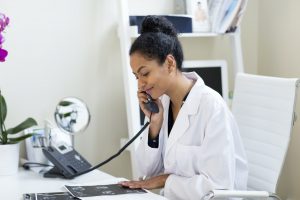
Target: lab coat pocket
point(187, 160)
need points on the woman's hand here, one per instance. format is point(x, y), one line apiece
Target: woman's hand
point(156, 118)
point(149, 184)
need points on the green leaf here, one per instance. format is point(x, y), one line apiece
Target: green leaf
point(18, 139)
point(65, 103)
point(29, 122)
point(3, 109)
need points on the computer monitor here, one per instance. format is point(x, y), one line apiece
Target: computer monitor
point(213, 72)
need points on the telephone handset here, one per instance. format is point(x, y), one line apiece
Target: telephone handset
point(67, 161)
point(151, 105)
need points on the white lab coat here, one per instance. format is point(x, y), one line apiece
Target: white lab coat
point(204, 150)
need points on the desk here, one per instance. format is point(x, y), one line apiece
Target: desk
point(26, 181)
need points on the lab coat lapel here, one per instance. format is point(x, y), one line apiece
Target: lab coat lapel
point(180, 126)
point(189, 108)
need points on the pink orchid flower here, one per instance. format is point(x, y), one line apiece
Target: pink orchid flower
point(4, 21)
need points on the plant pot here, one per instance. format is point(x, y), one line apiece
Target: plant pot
point(9, 159)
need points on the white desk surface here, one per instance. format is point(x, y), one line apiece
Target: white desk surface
point(26, 181)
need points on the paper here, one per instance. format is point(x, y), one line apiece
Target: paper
point(145, 195)
point(49, 196)
point(101, 190)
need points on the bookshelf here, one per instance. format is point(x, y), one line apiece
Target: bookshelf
point(126, 36)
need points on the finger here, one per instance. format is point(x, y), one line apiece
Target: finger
point(132, 184)
point(124, 184)
point(128, 183)
point(136, 185)
point(142, 97)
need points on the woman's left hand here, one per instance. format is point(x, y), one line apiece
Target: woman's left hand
point(149, 184)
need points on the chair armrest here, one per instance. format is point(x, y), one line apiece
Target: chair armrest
point(238, 193)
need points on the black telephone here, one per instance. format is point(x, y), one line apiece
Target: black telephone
point(151, 105)
point(67, 161)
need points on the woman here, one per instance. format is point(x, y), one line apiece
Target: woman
point(192, 145)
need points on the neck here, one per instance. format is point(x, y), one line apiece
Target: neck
point(180, 87)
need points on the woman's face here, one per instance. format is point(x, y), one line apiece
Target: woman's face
point(152, 77)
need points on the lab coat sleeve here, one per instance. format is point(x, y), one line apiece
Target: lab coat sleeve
point(149, 160)
point(208, 166)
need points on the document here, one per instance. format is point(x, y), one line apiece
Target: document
point(101, 190)
point(48, 196)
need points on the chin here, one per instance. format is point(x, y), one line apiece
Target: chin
point(156, 96)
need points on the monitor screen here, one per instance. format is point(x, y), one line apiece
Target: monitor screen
point(213, 73)
point(212, 76)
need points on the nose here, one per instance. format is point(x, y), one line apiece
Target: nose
point(141, 84)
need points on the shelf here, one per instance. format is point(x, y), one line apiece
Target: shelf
point(188, 35)
point(184, 35)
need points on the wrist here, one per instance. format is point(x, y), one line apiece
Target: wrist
point(164, 179)
point(153, 133)
point(154, 130)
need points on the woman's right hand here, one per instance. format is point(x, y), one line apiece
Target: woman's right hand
point(156, 118)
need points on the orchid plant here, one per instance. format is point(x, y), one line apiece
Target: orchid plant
point(4, 21)
point(8, 136)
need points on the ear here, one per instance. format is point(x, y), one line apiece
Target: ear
point(171, 63)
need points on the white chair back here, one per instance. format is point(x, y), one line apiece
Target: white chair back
point(264, 109)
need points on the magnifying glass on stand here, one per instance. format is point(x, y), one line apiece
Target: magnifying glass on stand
point(72, 116)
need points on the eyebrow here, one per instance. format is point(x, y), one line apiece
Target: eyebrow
point(139, 70)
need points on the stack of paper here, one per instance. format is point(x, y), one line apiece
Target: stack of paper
point(94, 191)
point(108, 189)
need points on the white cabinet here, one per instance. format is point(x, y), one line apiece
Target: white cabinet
point(130, 84)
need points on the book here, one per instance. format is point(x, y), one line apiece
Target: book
point(214, 7)
point(226, 15)
point(222, 13)
point(229, 16)
point(238, 18)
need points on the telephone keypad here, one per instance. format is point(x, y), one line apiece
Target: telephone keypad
point(69, 161)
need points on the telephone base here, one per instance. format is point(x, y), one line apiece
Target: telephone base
point(53, 173)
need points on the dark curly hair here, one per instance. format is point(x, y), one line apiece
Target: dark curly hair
point(157, 40)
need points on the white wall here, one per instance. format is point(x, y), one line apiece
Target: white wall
point(61, 48)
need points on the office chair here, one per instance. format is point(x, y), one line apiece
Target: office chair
point(264, 110)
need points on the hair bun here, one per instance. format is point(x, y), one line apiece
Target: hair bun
point(152, 23)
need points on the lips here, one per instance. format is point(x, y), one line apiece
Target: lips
point(148, 91)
